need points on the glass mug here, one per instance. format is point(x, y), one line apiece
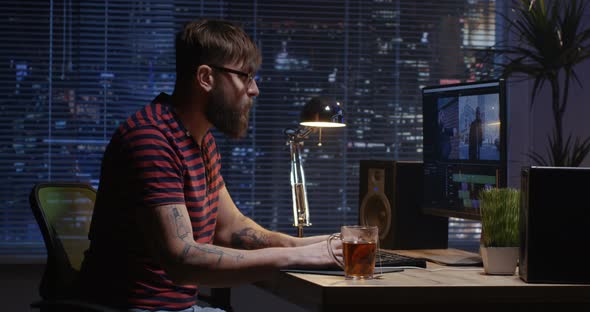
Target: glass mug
point(359, 248)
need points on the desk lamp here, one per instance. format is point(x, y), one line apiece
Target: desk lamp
point(319, 112)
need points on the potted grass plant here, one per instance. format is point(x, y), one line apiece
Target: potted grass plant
point(500, 211)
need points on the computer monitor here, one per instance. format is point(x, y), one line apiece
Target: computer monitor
point(464, 146)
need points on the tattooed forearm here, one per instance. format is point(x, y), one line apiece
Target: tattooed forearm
point(195, 250)
point(249, 238)
point(202, 251)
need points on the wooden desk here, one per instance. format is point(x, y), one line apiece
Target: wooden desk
point(436, 289)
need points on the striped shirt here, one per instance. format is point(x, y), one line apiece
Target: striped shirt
point(150, 161)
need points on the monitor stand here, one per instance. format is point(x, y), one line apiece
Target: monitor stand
point(450, 256)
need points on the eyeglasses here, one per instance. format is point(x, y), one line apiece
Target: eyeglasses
point(249, 76)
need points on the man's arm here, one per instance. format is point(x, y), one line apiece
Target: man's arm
point(187, 261)
point(167, 230)
point(238, 231)
point(480, 129)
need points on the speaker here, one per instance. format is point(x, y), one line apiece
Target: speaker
point(390, 196)
point(554, 225)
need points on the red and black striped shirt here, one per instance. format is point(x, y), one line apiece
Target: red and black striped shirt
point(150, 161)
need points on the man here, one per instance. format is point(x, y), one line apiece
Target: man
point(164, 221)
point(444, 137)
point(475, 136)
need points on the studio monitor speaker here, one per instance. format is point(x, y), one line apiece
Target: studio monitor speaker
point(554, 225)
point(390, 197)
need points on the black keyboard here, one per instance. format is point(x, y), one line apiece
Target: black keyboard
point(388, 258)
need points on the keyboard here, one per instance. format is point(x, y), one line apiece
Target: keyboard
point(388, 258)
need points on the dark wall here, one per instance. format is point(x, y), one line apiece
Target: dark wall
point(19, 284)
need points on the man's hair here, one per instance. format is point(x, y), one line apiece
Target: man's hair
point(213, 42)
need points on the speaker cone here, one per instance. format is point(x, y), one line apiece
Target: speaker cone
point(375, 210)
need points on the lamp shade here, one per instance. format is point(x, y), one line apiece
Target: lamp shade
point(322, 112)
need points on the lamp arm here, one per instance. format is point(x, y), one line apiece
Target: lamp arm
point(298, 189)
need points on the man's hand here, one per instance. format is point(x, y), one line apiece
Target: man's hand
point(317, 254)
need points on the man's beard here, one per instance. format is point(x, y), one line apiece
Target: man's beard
point(229, 118)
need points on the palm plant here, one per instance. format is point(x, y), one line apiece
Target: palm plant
point(549, 43)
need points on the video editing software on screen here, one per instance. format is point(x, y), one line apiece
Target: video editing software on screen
point(464, 145)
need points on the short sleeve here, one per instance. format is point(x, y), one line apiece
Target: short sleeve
point(156, 168)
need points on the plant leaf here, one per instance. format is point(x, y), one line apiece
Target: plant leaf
point(549, 40)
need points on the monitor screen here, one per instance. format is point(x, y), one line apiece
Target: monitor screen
point(464, 146)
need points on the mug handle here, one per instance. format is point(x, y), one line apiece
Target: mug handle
point(334, 236)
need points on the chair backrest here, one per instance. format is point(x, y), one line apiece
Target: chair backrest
point(63, 212)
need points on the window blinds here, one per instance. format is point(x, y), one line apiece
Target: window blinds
point(72, 70)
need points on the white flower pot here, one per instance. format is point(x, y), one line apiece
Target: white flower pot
point(499, 260)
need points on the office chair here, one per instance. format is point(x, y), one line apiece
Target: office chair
point(63, 212)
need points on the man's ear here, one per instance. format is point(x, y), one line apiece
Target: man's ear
point(204, 77)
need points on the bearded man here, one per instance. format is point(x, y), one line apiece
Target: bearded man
point(164, 221)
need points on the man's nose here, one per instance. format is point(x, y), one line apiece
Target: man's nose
point(253, 89)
